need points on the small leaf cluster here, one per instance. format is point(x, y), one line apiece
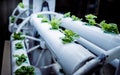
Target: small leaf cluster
point(109, 27)
point(91, 19)
point(74, 18)
point(21, 5)
point(18, 45)
point(40, 16)
point(18, 36)
point(70, 36)
point(66, 14)
point(12, 19)
point(25, 70)
point(55, 23)
point(20, 59)
point(44, 18)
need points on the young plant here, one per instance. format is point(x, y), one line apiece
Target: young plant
point(19, 45)
point(67, 14)
point(20, 59)
point(75, 18)
point(17, 36)
point(55, 23)
point(40, 16)
point(12, 19)
point(21, 5)
point(70, 36)
point(25, 70)
point(111, 27)
point(91, 19)
point(44, 20)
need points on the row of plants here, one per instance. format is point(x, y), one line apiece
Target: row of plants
point(69, 37)
point(91, 21)
point(25, 70)
point(21, 58)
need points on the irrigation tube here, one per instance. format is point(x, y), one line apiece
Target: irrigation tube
point(70, 56)
point(99, 38)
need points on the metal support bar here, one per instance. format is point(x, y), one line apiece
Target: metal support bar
point(30, 37)
point(33, 48)
point(90, 65)
point(118, 69)
point(41, 53)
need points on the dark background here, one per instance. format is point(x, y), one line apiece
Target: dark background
point(108, 10)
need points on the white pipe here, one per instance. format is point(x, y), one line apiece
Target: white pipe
point(113, 53)
point(33, 48)
point(87, 67)
point(91, 47)
point(40, 55)
point(70, 56)
point(22, 24)
point(33, 38)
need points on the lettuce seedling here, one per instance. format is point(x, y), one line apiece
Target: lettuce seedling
point(44, 20)
point(19, 45)
point(20, 59)
point(67, 14)
point(40, 16)
point(111, 27)
point(12, 19)
point(74, 18)
point(18, 36)
point(91, 19)
point(21, 5)
point(70, 36)
point(55, 23)
point(25, 70)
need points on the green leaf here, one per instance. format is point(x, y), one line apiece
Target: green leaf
point(40, 16)
point(90, 16)
point(20, 59)
point(70, 36)
point(25, 70)
point(75, 18)
point(44, 20)
point(91, 19)
point(111, 27)
point(12, 19)
point(67, 14)
point(18, 36)
point(19, 45)
point(55, 23)
point(21, 5)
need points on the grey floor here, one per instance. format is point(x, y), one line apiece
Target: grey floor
point(6, 65)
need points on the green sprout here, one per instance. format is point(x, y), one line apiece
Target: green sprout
point(40, 16)
point(25, 70)
point(91, 19)
point(44, 20)
point(20, 59)
point(55, 23)
point(12, 19)
point(17, 36)
point(19, 45)
point(21, 5)
point(70, 36)
point(111, 27)
point(67, 14)
point(75, 18)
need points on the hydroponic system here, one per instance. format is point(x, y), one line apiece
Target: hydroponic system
point(44, 42)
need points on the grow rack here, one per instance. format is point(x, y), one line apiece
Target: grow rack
point(44, 49)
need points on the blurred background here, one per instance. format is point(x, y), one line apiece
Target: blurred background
point(108, 10)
